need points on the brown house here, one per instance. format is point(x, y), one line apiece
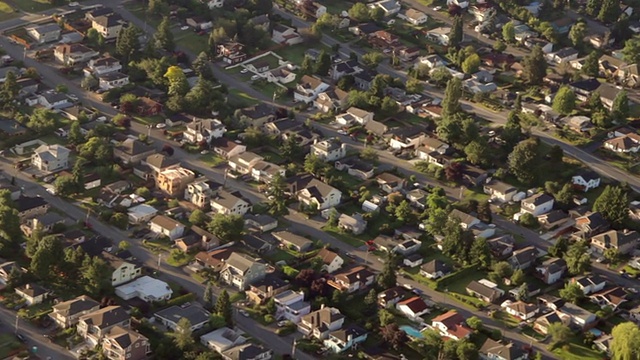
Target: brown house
point(125, 344)
point(215, 259)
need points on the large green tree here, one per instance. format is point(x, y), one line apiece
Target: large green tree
point(509, 32)
point(565, 100)
point(457, 32)
point(572, 292)
point(577, 33)
point(577, 259)
point(522, 160)
point(127, 43)
point(620, 106)
point(625, 342)
point(613, 204)
point(224, 308)
point(163, 36)
point(609, 11)
point(183, 335)
point(451, 101)
point(631, 50)
point(535, 67)
point(227, 227)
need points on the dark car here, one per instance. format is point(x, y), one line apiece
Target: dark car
point(21, 337)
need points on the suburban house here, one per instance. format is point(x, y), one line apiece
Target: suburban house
point(590, 224)
point(102, 66)
point(199, 23)
point(354, 115)
point(612, 297)
point(551, 270)
point(355, 167)
point(413, 308)
point(32, 294)
point(329, 150)
point(232, 53)
point(344, 339)
point(520, 309)
point(132, 151)
point(227, 148)
point(67, 314)
point(123, 271)
point(523, 258)
point(171, 316)
point(108, 25)
point(354, 279)
point(174, 181)
point(197, 239)
point(624, 241)
point(355, 223)
point(331, 100)
point(439, 35)
point(261, 223)
point(467, 221)
point(499, 190)
point(435, 269)
point(199, 193)
point(585, 180)
point(112, 80)
point(204, 130)
point(537, 204)
point(392, 296)
point(331, 261)
point(293, 241)
point(50, 157)
point(308, 89)
point(125, 344)
point(255, 243)
point(213, 260)
point(413, 16)
point(590, 283)
point(141, 213)
point(313, 192)
point(51, 100)
point(44, 33)
point(248, 351)
point(262, 290)
point(541, 324)
point(484, 290)
point(241, 270)
point(30, 206)
point(406, 138)
point(389, 7)
point(96, 325)
point(578, 317)
point(73, 54)
point(244, 163)
point(222, 339)
point(389, 182)
point(494, 350)
point(146, 289)
point(626, 143)
point(290, 305)
point(228, 203)
point(452, 325)
point(320, 323)
point(165, 226)
point(285, 35)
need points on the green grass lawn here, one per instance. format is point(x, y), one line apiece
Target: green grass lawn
point(506, 319)
point(242, 99)
point(9, 345)
point(139, 10)
point(267, 88)
point(149, 120)
point(191, 41)
point(6, 11)
point(458, 288)
point(272, 157)
point(337, 6)
point(576, 350)
point(34, 5)
point(278, 255)
point(212, 159)
point(342, 236)
point(178, 258)
point(273, 61)
point(295, 53)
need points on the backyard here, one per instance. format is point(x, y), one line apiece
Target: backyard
point(191, 41)
point(295, 53)
point(576, 350)
point(33, 5)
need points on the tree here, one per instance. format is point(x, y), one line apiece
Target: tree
point(593, 7)
point(477, 152)
point(474, 323)
point(529, 221)
point(224, 308)
point(613, 205)
point(451, 100)
point(307, 65)
point(276, 195)
point(157, 7)
point(369, 154)
point(565, 100)
point(42, 121)
point(385, 317)
point(625, 342)
point(387, 278)
point(119, 220)
point(10, 89)
point(499, 46)
point(509, 33)
point(389, 106)
point(226, 227)
point(517, 278)
point(64, 185)
point(359, 12)
point(198, 217)
point(96, 275)
point(590, 66)
point(403, 211)
point(127, 43)
point(471, 64)
point(290, 149)
point(555, 154)
point(620, 107)
point(609, 11)
point(94, 38)
point(323, 63)
point(163, 36)
point(46, 261)
point(202, 67)
point(328, 21)
point(393, 335)
point(456, 33)
point(535, 67)
point(178, 84)
point(577, 258)
point(564, 197)
point(414, 86)
point(314, 164)
point(559, 333)
point(372, 298)
point(376, 14)
point(182, 336)
point(502, 270)
point(480, 252)
point(577, 33)
point(466, 350)
point(9, 221)
point(372, 59)
point(611, 255)
point(559, 247)
point(631, 50)
point(522, 160)
point(571, 293)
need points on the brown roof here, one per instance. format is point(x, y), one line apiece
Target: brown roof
point(327, 256)
point(214, 258)
point(453, 321)
point(416, 304)
point(358, 273)
point(165, 222)
point(106, 317)
point(310, 82)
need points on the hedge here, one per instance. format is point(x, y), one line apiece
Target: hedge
point(452, 278)
point(182, 299)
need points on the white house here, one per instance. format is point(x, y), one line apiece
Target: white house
point(439, 35)
point(123, 271)
point(452, 325)
point(50, 157)
point(413, 16)
point(228, 203)
point(413, 308)
point(329, 150)
point(73, 54)
point(166, 226)
point(285, 35)
point(354, 115)
point(313, 192)
point(586, 180)
point(145, 288)
point(44, 33)
point(537, 204)
point(520, 309)
point(206, 130)
point(290, 305)
point(390, 7)
point(331, 261)
point(112, 80)
point(102, 66)
point(215, 4)
point(308, 89)
point(222, 339)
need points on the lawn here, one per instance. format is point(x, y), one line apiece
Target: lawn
point(191, 41)
point(279, 255)
point(178, 258)
point(8, 345)
point(342, 236)
point(273, 61)
point(139, 10)
point(272, 157)
point(34, 5)
point(242, 99)
point(508, 320)
point(576, 350)
point(6, 11)
point(337, 6)
point(295, 54)
point(457, 288)
point(149, 120)
point(212, 159)
point(265, 87)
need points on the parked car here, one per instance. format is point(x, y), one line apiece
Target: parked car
point(283, 323)
point(244, 313)
point(244, 71)
point(349, 255)
point(342, 132)
point(255, 77)
point(161, 126)
point(21, 337)
point(184, 27)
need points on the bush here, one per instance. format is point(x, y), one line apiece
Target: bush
point(287, 330)
point(177, 301)
point(269, 319)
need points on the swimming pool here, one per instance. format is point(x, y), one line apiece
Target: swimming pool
point(412, 332)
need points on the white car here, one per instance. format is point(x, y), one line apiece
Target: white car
point(204, 152)
point(73, 97)
point(437, 8)
point(161, 126)
point(244, 71)
point(255, 77)
point(74, 4)
point(283, 323)
point(184, 27)
point(342, 132)
point(244, 313)
point(600, 259)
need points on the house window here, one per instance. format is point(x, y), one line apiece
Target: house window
point(137, 345)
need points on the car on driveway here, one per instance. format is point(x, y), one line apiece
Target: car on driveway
point(342, 132)
point(349, 255)
point(184, 27)
point(244, 71)
point(283, 323)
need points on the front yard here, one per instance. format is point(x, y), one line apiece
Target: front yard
point(212, 159)
point(576, 350)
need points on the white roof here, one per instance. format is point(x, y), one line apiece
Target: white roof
point(145, 287)
point(142, 210)
point(222, 339)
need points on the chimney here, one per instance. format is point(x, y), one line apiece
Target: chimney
point(321, 306)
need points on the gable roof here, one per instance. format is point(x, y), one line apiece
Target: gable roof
point(327, 255)
point(166, 222)
point(75, 306)
point(505, 351)
point(106, 317)
point(415, 304)
point(454, 322)
point(436, 265)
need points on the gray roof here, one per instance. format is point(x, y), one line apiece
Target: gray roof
point(10, 127)
point(289, 237)
point(49, 218)
point(505, 351)
point(195, 314)
point(245, 352)
point(228, 199)
point(106, 317)
point(75, 306)
point(44, 29)
point(434, 266)
point(241, 262)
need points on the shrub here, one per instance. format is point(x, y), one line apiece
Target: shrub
point(269, 319)
point(177, 301)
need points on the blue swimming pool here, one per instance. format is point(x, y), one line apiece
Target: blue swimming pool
point(412, 332)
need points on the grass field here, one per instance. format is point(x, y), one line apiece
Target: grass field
point(212, 159)
point(6, 11)
point(576, 350)
point(34, 5)
point(191, 41)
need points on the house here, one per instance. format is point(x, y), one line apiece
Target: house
point(215, 259)
point(113, 80)
point(355, 167)
point(53, 100)
point(29, 207)
point(281, 75)
point(344, 68)
point(285, 35)
point(312, 9)
point(293, 241)
point(232, 52)
point(439, 35)
point(308, 89)
point(255, 244)
point(520, 309)
point(431, 145)
point(355, 279)
point(523, 258)
point(331, 261)
point(96, 325)
point(364, 29)
point(452, 325)
point(165, 226)
point(261, 21)
point(413, 16)
point(228, 203)
point(262, 222)
point(389, 183)
point(553, 219)
point(102, 66)
point(73, 54)
point(551, 270)
point(537, 204)
point(6, 269)
point(406, 138)
point(484, 290)
point(392, 296)
point(262, 290)
point(222, 339)
point(200, 192)
point(435, 269)
point(247, 351)
point(320, 323)
point(123, 271)
point(174, 181)
point(146, 288)
point(67, 314)
point(541, 324)
point(474, 176)
point(199, 23)
point(333, 99)
point(585, 180)
point(563, 55)
point(171, 316)
point(590, 224)
point(214, 4)
point(628, 143)
point(32, 294)
point(44, 33)
point(352, 223)
point(344, 339)
point(244, 163)
point(624, 241)
point(313, 192)
point(364, 79)
point(50, 158)
point(578, 317)
point(579, 124)
point(499, 190)
point(467, 221)
point(197, 239)
point(612, 297)
point(227, 148)
point(413, 308)
point(562, 25)
point(280, 127)
point(390, 7)
point(9, 128)
point(383, 39)
point(290, 305)
point(241, 270)
point(329, 150)
point(141, 213)
point(354, 115)
point(148, 106)
point(108, 25)
point(132, 151)
point(494, 350)
point(120, 344)
point(45, 222)
point(590, 284)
